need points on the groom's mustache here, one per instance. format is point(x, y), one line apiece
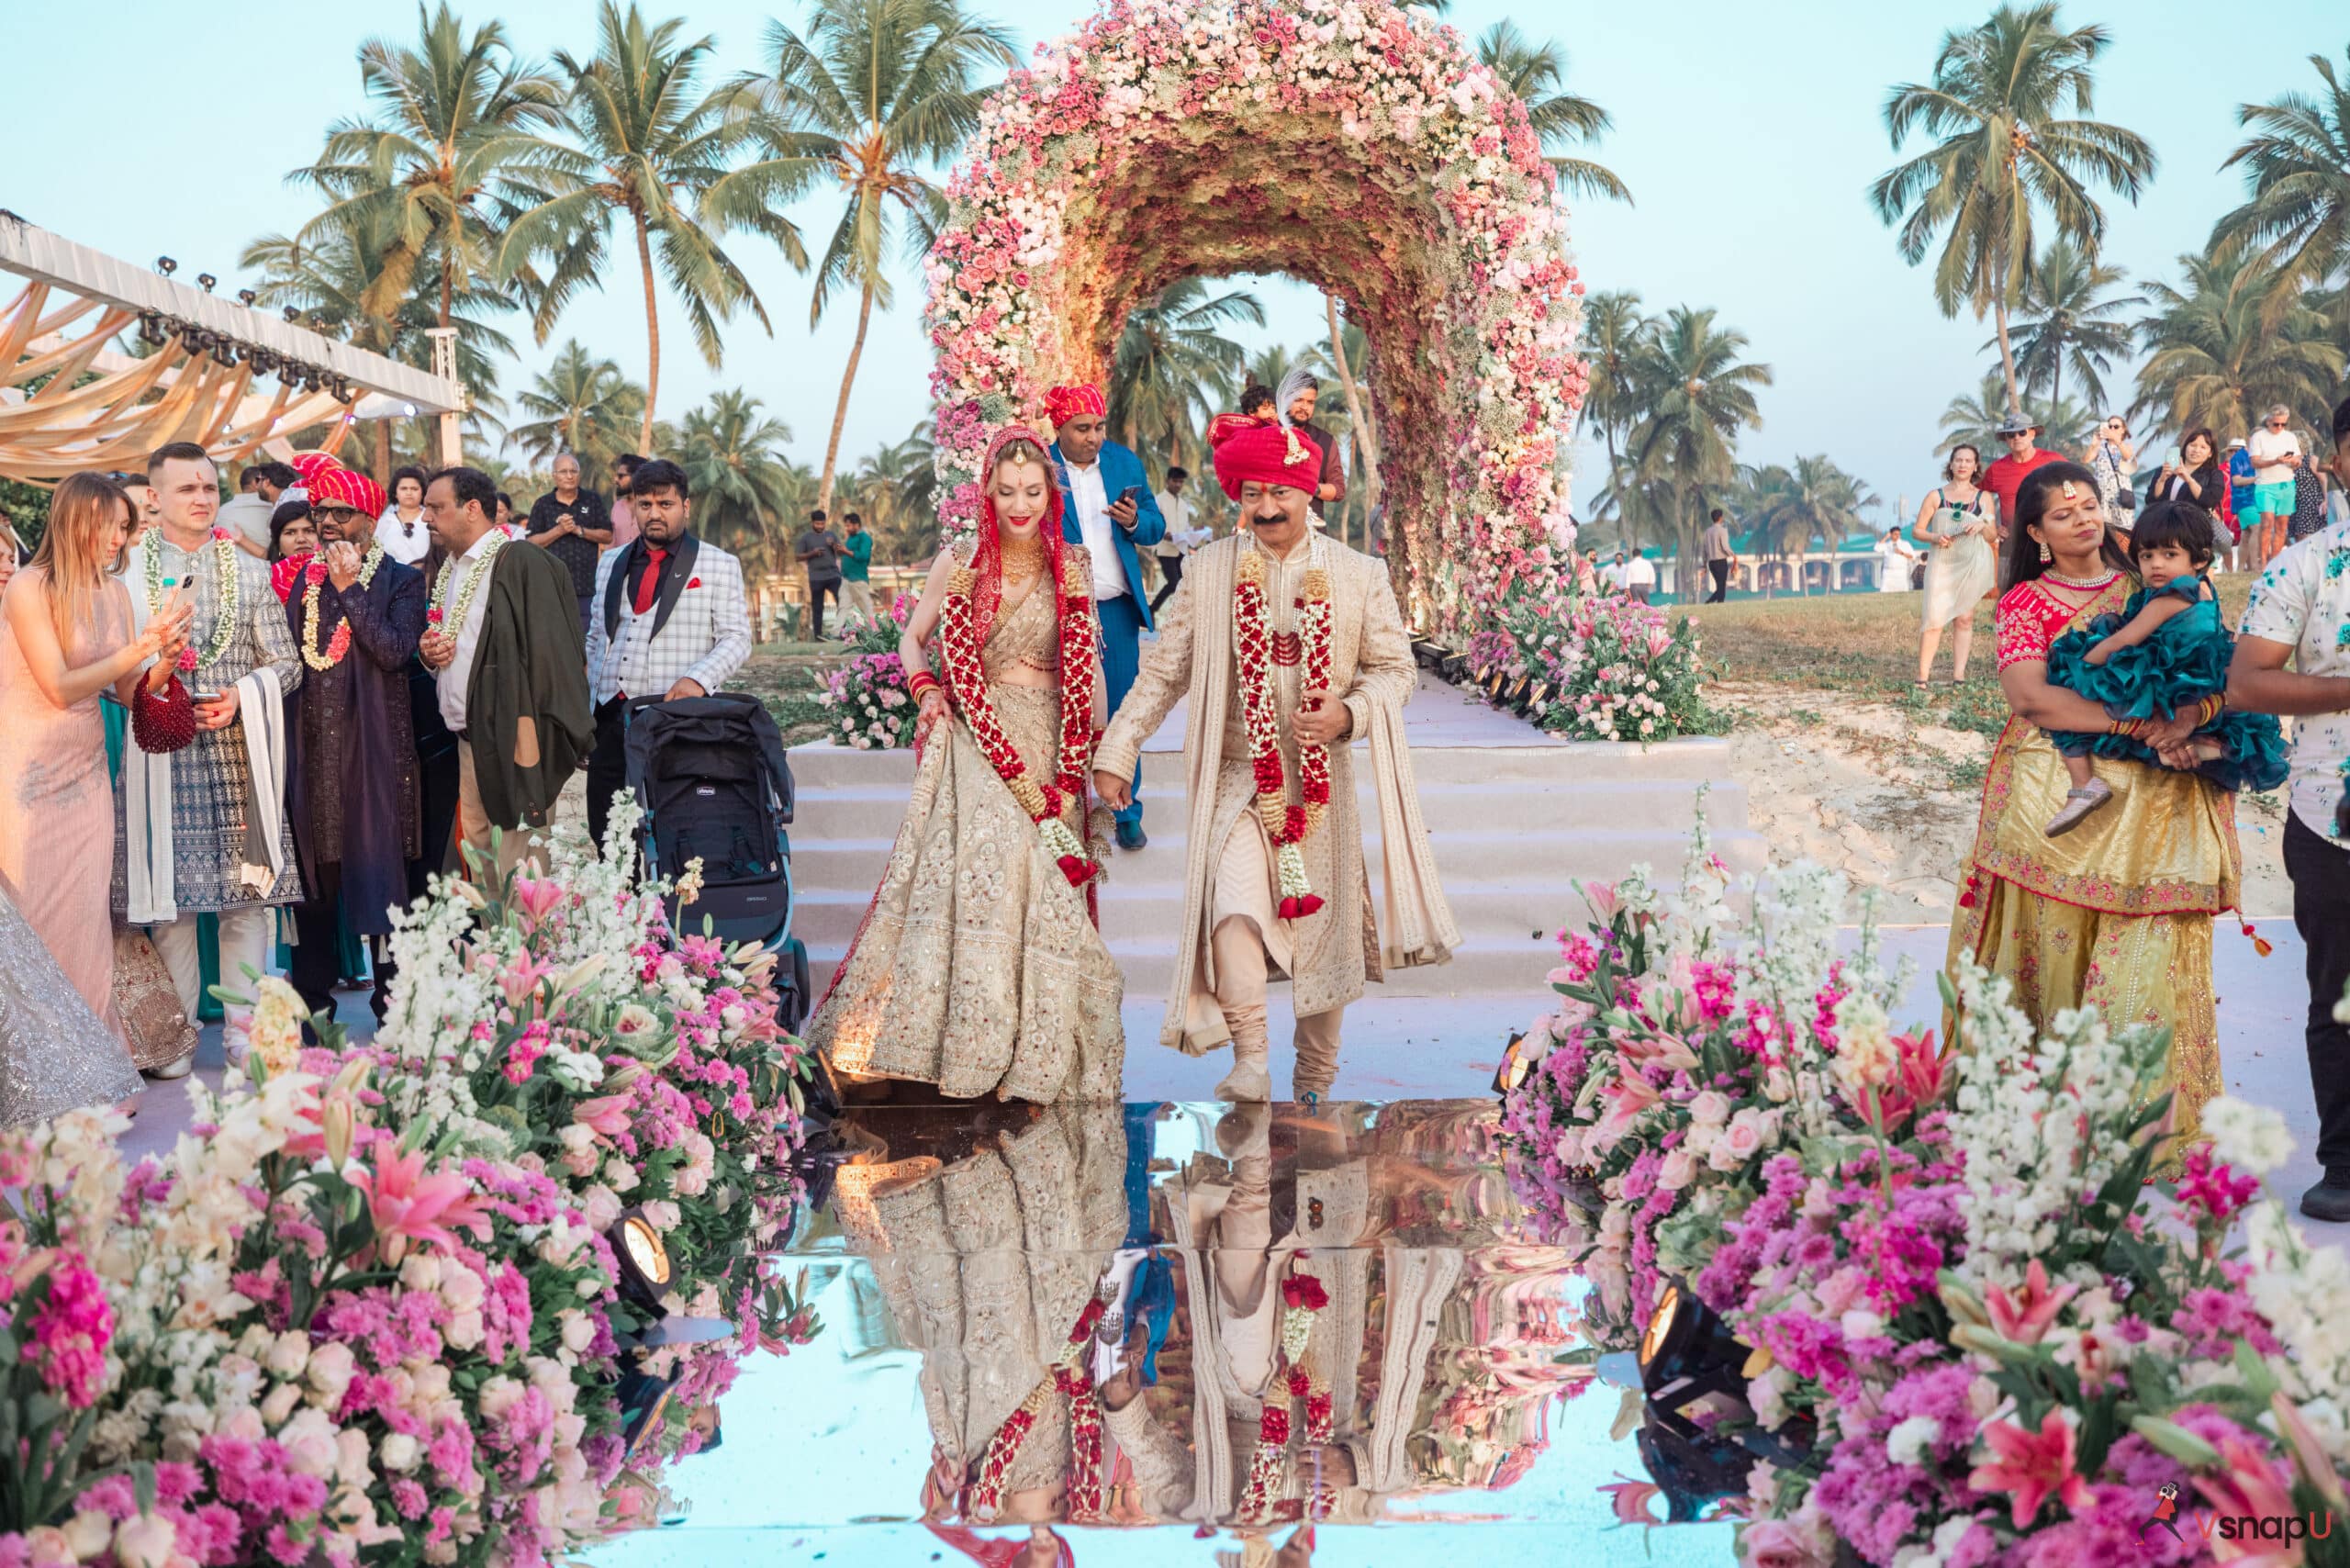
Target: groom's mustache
point(1263, 517)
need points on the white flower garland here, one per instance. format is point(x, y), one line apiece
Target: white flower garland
point(224, 568)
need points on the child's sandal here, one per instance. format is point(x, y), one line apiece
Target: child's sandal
point(2079, 805)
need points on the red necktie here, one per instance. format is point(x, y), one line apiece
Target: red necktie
point(649, 583)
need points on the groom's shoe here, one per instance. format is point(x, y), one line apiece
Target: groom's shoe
point(2329, 1199)
point(1252, 1049)
point(1131, 835)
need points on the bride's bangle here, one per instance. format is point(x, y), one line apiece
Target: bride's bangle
point(921, 683)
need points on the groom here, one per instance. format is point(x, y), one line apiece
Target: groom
point(1106, 505)
point(1288, 648)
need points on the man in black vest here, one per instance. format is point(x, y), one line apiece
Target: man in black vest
point(669, 621)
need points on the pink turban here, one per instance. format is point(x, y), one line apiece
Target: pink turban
point(1262, 450)
point(1063, 404)
point(338, 487)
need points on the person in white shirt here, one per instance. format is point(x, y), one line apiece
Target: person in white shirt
point(1640, 578)
point(2276, 458)
point(1897, 558)
point(401, 529)
point(668, 619)
point(1180, 541)
point(2300, 613)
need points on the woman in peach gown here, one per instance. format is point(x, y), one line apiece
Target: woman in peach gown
point(65, 638)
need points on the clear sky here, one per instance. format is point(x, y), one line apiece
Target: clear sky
point(1748, 133)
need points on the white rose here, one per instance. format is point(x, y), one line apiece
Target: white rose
point(1679, 1169)
point(620, 1175)
point(1743, 1136)
point(1710, 1108)
point(280, 1404)
point(462, 1289)
point(398, 1451)
point(330, 1373)
point(578, 1330)
point(87, 1534)
point(466, 1329)
point(600, 1207)
point(290, 1353)
point(421, 1272)
point(145, 1542)
point(1910, 1442)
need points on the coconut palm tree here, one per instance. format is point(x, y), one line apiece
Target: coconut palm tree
point(2002, 151)
point(581, 404)
point(874, 94)
point(1172, 369)
point(896, 488)
point(2067, 318)
point(1815, 499)
point(1347, 350)
point(2225, 348)
point(2297, 167)
point(733, 456)
point(331, 278)
point(652, 150)
point(459, 124)
point(1973, 419)
point(1537, 74)
point(1613, 337)
point(1696, 393)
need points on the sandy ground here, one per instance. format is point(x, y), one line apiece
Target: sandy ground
point(1859, 785)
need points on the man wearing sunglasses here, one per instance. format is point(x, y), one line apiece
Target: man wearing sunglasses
point(2276, 459)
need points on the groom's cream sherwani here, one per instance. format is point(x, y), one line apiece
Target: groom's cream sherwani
point(1331, 954)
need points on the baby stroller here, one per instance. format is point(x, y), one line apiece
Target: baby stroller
point(710, 775)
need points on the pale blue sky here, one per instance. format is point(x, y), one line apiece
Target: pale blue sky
point(1748, 133)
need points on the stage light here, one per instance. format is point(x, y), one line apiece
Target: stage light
point(151, 328)
point(1693, 1470)
point(645, 1269)
point(645, 1405)
point(247, 298)
point(291, 315)
point(165, 265)
point(1516, 1066)
point(1689, 1352)
point(206, 281)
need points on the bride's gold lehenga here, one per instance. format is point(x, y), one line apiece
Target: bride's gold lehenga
point(977, 967)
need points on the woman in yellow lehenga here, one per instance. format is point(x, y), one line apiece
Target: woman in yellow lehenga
point(2119, 912)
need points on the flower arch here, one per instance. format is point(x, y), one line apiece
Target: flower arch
point(1351, 143)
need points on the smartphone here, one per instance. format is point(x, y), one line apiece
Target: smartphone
point(2179, 458)
point(1130, 493)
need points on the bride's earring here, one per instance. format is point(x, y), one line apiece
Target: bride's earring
point(2046, 554)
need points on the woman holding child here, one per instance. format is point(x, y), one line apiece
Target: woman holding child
point(2114, 906)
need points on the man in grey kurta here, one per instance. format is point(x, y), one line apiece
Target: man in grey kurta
point(1236, 934)
point(224, 846)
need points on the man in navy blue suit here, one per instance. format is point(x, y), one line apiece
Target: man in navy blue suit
point(1106, 505)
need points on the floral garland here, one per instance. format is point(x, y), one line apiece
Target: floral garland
point(224, 617)
point(1303, 1296)
point(437, 615)
point(959, 641)
point(1288, 826)
point(1068, 1379)
point(340, 643)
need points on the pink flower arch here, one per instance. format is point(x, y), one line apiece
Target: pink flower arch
point(1349, 143)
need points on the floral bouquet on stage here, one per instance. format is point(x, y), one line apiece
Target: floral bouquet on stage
point(1971, 1333)
point(1594, 666)
point(866, 698)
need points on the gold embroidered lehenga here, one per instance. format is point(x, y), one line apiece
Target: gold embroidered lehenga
point(2118, 912)
point(977, 967)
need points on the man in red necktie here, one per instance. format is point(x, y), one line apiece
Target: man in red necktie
point(668, 619)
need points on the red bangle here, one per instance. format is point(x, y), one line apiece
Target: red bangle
point(921, 681)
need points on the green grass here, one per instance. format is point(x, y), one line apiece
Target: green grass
point(786, 677)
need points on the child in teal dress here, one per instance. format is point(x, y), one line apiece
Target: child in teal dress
point(2164, 654)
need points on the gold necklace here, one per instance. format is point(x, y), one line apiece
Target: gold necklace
point(1022, 563)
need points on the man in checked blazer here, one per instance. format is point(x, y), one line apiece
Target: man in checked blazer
point(668, 619)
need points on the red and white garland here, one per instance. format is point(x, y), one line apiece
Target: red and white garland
point(1303, 1296)
point(1068, 1379)
point(1287, 826)
point(338, 644)
point(960, 638)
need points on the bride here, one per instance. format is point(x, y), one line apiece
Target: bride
point(978, 967)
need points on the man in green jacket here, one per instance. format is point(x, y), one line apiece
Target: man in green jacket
point(502, 638)
point(856, 573)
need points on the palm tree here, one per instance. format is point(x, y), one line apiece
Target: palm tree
point(897, 488)
point(2002, 153)
point(1973, 420)
point(1614, 335)
point(652, 150)
point(2226, 348)
point(580, 405)
point(874, 94)
point(1815, 499)
point(1347, 350)
point(1172, 369)
point(1537, 74)
point(431, 178)
point(1270, 364)
point(331, 279)
point(745, 492)
point(2297, 167)
point(1697, 395)
point(2065, 318)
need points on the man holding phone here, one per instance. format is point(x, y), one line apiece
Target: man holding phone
point(206, 830)
point(1106, 505)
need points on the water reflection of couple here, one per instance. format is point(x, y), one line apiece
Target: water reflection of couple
point(979, 967)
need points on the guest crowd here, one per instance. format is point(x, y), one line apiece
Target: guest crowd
point(262, 723)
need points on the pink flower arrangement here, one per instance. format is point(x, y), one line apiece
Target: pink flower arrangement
point(1610, 667)
point(1321, 106)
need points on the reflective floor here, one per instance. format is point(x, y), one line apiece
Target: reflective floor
point(1360, 1267)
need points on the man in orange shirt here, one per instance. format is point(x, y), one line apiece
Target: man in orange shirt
point(2007, 474)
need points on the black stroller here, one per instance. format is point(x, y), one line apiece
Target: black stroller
point(711, 774)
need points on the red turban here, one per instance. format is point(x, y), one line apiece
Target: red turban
point(1264, 451)
point(307, 463)
point(338, 487)
point(1063, 404)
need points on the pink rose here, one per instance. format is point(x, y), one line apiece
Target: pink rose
point(1743, 1136)
point(1783, 1543)
point(1678, 1170)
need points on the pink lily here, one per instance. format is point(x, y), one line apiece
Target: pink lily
point(1630, 1501)
point(519, 979)
point(2024, 1316)
point(405, 1203)
point(537, 898)
point(2251, 1484)
point(608, 1115)
point(2034, 1466)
